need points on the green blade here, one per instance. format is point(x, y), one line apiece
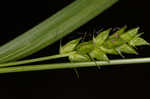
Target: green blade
point(53, 28)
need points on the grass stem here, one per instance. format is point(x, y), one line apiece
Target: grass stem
point(73, 65)
point(34, 60)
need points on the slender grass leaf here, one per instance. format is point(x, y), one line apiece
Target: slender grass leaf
point(53, 28)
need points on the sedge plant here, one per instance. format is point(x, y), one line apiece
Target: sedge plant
point(80, 54)
point(89, 52)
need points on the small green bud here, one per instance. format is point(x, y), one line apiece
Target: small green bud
point(69, 47)
point(125, 48)
point(100, 39)
point(76, 57)
point(138, 41)
point(130, 34)
point(85, 47)
point(99, 55)
point(109, 51)
point(113, 42)
point(118, 32)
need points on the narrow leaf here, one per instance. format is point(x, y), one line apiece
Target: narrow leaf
point(53, 28)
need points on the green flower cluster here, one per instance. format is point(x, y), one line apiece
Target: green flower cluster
point(121, 41)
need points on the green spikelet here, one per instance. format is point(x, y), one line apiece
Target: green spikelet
point(109, 50)
point(118, 32)
point(85, 47)
point(100, 39)
point(130, 34)
point(98, 55)
point(69, 47)
point(121, 41)
point(138, 41)
point(76, 57)
point(125, 48)
point(114, 40)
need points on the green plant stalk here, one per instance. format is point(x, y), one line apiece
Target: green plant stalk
point(35, 60)
point(53, 28)
point(73, 65)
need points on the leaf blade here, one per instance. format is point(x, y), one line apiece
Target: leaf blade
point(54, 28)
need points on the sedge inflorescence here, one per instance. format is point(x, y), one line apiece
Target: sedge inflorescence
point(121, 41)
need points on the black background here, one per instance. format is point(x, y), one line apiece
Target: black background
point(19, 16)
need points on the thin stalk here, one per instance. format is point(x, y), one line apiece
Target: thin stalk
point(73, 65)
point(35, 60)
